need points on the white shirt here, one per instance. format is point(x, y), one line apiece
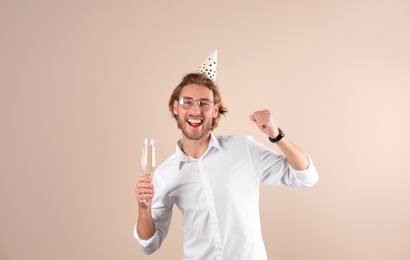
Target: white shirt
point(218, 195)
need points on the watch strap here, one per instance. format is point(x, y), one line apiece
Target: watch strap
point(277, 138)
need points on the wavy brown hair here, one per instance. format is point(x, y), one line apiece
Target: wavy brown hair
point(201, 80)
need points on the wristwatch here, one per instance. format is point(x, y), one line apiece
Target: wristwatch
point(277, 138)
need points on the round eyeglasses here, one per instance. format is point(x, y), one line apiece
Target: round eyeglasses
point(203, 103)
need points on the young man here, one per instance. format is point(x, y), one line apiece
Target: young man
point(214, 180)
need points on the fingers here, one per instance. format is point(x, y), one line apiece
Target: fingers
point(252, 117)
point(265, 122)
point(262, 118)
point(144, 191)
point(144, 179)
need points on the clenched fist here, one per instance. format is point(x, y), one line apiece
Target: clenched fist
point(264, 120)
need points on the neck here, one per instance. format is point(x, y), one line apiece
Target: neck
point(195, 148)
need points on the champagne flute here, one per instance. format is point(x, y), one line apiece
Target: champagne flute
point(148, 158)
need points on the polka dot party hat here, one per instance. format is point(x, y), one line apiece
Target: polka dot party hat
point(208, 67)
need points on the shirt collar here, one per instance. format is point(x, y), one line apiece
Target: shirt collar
point(213, 142)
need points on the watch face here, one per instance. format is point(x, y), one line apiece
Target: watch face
point(281, 133)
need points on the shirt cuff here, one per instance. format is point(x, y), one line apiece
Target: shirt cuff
point(305, 170)
point(144, 243)
point(307, 177)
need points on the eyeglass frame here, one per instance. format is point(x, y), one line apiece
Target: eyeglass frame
point(198, 101)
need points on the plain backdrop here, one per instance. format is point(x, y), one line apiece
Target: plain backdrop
point(84, 82)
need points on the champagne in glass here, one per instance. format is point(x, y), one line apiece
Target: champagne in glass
point(148, 157)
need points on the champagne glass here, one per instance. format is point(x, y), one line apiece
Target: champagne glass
point(148, 159)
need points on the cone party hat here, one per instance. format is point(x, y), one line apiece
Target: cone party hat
point(208, 67)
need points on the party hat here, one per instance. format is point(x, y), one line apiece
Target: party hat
point(208, 67)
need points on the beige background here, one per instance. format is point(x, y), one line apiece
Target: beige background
point(83, 82)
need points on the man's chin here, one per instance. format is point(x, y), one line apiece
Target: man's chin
point(195, 137)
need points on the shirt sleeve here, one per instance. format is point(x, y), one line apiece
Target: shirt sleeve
point(142, 242)
point(161, 210)
point(307, 177)
point(273, 168)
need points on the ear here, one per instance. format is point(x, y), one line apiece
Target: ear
point(175, 110)
point(216, 111)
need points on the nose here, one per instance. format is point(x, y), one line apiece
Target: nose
point(195, 108)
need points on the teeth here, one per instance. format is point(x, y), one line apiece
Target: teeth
point(195, 121)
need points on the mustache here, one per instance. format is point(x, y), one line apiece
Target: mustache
point(194, 117)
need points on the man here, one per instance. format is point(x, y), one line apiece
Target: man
point(214, 180)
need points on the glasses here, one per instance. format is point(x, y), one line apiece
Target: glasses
point(187, 102)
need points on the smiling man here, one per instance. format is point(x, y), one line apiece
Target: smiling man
point(214, 180)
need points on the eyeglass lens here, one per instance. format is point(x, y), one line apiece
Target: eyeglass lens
point(188, 102)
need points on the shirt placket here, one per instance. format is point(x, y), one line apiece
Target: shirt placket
point(212, 211)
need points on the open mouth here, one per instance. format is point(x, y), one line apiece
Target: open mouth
point(194, 122)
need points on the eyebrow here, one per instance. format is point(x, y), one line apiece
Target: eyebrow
point(197, 99)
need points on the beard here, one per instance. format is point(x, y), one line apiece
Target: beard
point(196, 134)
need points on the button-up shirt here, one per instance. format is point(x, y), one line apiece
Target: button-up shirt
point(218, 195)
